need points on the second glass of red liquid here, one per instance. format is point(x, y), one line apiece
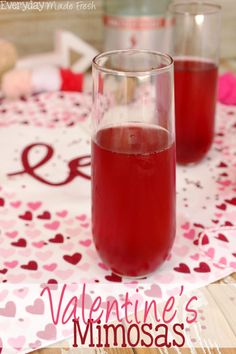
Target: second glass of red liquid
point(133, 160)
point(196, 40)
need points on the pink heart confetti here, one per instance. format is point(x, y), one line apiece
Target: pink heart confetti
point(37, 308)
point(52, 226)
point(50, 267)
point(11, 265)
point(17, 342)
point(34, 205)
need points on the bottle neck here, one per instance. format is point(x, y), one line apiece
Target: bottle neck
point(135, 7)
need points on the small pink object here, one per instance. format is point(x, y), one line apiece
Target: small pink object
point(227, 89)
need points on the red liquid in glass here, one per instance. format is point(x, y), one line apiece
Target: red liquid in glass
point(133, 197)
point(195, 99)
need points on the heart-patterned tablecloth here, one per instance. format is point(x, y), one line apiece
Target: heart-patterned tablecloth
point(45, 214)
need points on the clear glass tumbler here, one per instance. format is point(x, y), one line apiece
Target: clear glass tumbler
point(133, 160)
point(196, 42)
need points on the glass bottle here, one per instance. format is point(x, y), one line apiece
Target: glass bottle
point(136, 24)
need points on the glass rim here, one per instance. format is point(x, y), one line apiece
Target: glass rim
point(212, 8)
point(152, 71)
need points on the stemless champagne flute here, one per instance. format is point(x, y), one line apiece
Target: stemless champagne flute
point(133, 160)
point(196, 40)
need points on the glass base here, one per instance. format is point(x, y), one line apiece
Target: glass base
point(130, 277)
point(191, 163)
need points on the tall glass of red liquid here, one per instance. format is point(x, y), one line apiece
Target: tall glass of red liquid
point(196, 39)
point(133, 160)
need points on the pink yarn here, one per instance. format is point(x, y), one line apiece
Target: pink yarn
point(227, 89)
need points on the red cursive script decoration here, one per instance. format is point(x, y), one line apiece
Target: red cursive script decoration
point(73, 165)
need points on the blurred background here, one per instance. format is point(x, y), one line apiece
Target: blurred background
point(32, 31)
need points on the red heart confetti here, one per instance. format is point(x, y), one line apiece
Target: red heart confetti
point(57, 239)
point(205, 240)
point(20, 243)
point(228, 223)
point(3, 271)
point(26, 216)
point(32, 265)
point(51, 284)
point(222, 165)
point(46, 215)
point(182, 268)
point(198, 225)
point(74, 259)
point(222, 206)
point(202, 268)
point(222, 237)
point(231, 201)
